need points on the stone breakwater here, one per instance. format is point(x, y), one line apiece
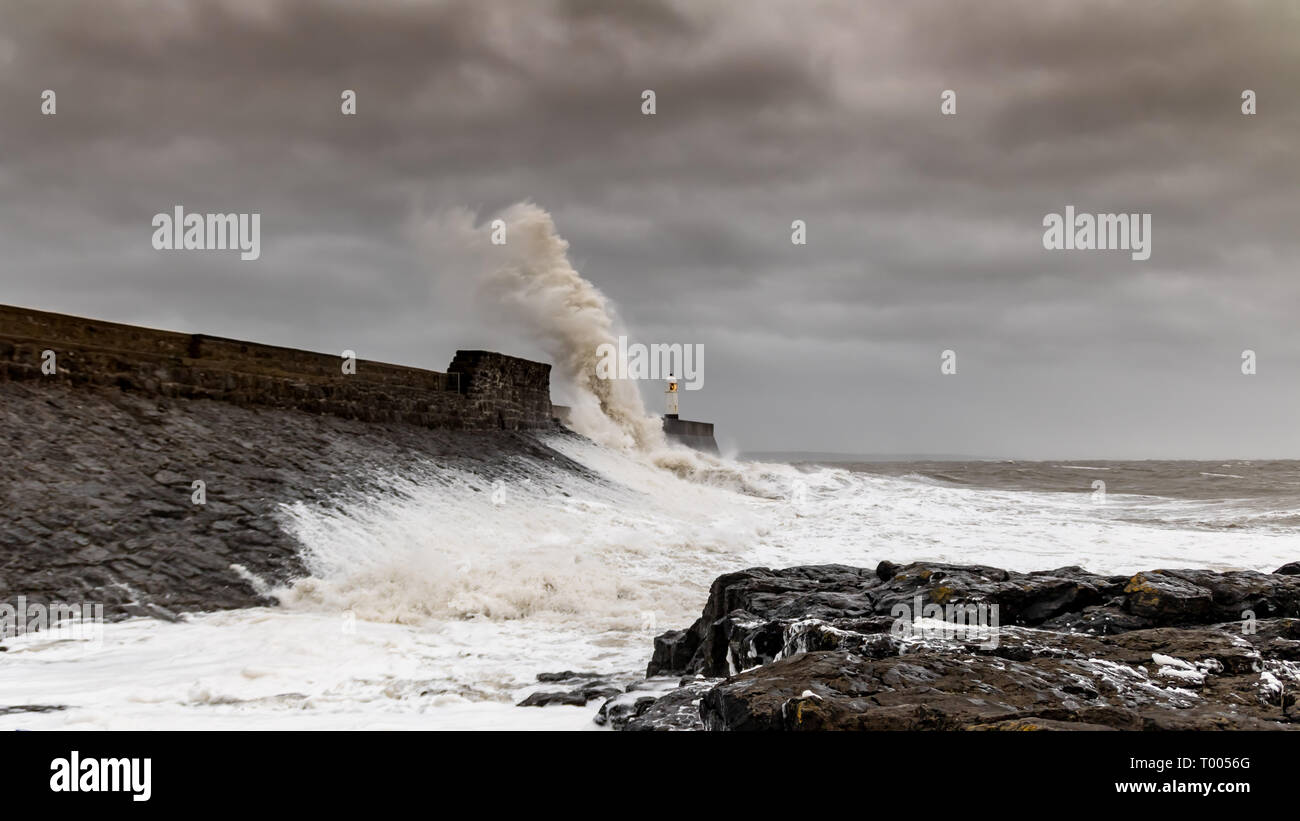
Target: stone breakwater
point(481, 390)
point(818, 648)
point(698, 435)
point(97, 485)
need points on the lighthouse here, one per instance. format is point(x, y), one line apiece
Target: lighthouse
point(670, 396)
point(698, 435)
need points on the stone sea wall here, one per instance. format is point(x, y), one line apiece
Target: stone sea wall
point(698, 435)
point(104, 458)
point(480, 391)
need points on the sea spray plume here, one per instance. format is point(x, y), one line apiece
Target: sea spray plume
point(530, 283)
point(570, 318)
point(530, 276)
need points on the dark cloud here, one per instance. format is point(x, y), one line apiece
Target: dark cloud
point(924, 230)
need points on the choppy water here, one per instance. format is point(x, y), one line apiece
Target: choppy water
point(1207, 494)
point(435, 603)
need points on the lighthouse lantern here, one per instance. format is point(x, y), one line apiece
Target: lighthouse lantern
point(670, 393)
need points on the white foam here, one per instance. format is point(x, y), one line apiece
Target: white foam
point(459, 602)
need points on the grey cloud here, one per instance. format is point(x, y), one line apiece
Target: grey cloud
point(925, 231)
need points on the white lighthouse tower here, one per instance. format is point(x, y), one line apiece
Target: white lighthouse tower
point(670, 394)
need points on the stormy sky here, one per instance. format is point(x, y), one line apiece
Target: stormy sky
point(924, 230)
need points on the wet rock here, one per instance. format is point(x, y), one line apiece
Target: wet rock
point(833, 647)
point(676, 711)
point(1195, 596)
point(619, 710)
point(673, 651)
point(837, 690)
point(749, 615)
point(1161, 597)
point(748, 598)
point(585, 687)
point(566, 675)
point(573, 698)
point(1099, 619)
point(31, 708)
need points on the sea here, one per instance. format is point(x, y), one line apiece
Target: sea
point(435, 604)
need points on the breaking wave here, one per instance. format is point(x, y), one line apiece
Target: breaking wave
point(644, 531)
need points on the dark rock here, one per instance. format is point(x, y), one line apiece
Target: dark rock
point(588, 690)
point(1289, 569)
point(673, 652)
point(566, 675)
point(574, 698)
point(599, 691)
point(678, 710)
point(838, 690)
point(833, 647)
point(622, 708)
point(1102, 620)
point(738, 599)
point(31, 708)
point(1024, 598)
point(1196, 596)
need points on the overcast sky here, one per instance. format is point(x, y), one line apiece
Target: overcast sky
point(924, 230)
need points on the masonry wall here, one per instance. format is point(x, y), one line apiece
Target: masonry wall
point(503, 391)
point(481, 390)
point(698, 435)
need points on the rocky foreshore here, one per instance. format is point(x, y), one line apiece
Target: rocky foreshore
point(928, 646)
